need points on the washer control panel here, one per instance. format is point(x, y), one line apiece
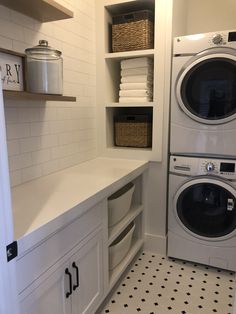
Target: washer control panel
point(193, 166)
point(210, 167)
point(217, 39)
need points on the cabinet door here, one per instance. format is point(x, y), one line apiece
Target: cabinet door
point(50, 295)
point(87, 295)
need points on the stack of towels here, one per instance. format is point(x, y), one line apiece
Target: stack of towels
point(136, 80)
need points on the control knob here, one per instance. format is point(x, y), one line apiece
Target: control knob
point(210, 167)
point(217, 39)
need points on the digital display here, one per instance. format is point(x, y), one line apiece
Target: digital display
point(232, 36)
point(227, 167)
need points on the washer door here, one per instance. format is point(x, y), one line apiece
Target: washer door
point(207, 208)
point(206, 87)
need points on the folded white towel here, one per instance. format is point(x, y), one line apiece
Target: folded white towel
point(136, 63)
point(137, 71)
point(134, 99)
point(127, 86)
point(137, 79)
point(135, 93)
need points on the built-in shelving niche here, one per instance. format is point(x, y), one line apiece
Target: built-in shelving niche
point(113, 8)
point(111, 112)
point(113, 70)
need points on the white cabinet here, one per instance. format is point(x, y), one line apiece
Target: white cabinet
point(74, 285)
point(87, 270)
point(49, 296)
point(68, 272)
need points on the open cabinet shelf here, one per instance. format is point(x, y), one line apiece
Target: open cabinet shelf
point(116, 273)
point(33, 96)
point(130, 104)
point(117, 233)
point(109, 69)
point(130, 54)
point(41, 10)
point(118, 228)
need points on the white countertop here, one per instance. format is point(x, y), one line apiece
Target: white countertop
point(42, 206)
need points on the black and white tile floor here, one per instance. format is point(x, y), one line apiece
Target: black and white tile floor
point(160, 285)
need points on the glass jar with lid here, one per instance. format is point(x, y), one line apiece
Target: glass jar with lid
point(44, 69)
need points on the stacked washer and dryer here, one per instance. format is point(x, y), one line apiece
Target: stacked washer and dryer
point(202, 173)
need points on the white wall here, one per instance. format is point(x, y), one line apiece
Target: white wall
point(179, 22)
point(46, 137)
point(210, 15)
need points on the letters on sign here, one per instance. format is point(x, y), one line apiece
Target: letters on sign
point(11, 72)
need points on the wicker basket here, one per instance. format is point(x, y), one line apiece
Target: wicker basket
point(133, 31)
point(133, 130)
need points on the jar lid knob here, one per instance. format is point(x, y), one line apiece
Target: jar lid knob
point(43, 43)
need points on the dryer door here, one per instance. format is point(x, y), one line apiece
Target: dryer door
point(206, 87)
point(207, 208)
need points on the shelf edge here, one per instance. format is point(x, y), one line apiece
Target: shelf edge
point(18, 95)
point(134, 212)
point(120, 268)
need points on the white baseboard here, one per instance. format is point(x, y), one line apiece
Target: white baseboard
point(155, 243)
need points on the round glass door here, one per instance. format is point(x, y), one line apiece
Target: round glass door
point(207, 209)
point(208, 90)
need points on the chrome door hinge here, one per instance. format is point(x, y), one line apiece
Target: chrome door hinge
point(12, 251)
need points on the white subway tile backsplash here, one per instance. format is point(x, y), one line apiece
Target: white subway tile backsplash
point(13, 147)
point(59, 126)
point(19, 46)
point(6, 43)
point(48, 114)
point(39, 128)
point(11, 115)
point(16, 131)
point(66, 138)
point(30, 144)
point(45, 137)
point(11, 30)
point(59, 152)
point(48, 141)
point(41, 156)
point(21, 19)
point(86, 124)
point(30, 115)
point(20, 161)
point(50, 167)
point(31, 173)
point(15, 177)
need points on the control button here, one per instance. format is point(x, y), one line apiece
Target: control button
point(210, 167)
point(217, 39)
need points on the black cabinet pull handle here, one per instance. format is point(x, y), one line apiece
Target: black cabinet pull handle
point(77, 276)
point(70, 282)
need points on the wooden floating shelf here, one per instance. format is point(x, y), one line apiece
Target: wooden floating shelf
point(41, 10)
point(33, 96)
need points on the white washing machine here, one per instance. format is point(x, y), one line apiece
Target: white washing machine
point(203, 95)
point(202, 210)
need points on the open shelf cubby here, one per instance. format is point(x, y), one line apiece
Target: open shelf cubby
point(112, 112)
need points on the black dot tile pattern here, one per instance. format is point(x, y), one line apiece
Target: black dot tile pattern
point(162, 285)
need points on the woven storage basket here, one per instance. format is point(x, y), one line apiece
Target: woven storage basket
point(133, 131)
point(133, 31)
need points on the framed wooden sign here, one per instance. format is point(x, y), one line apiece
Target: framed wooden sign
point(11, 67)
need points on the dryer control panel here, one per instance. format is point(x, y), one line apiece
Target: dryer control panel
point(194, 166)
point(193, 44)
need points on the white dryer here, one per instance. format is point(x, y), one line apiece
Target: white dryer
point(202, 211)
point(203, 95)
